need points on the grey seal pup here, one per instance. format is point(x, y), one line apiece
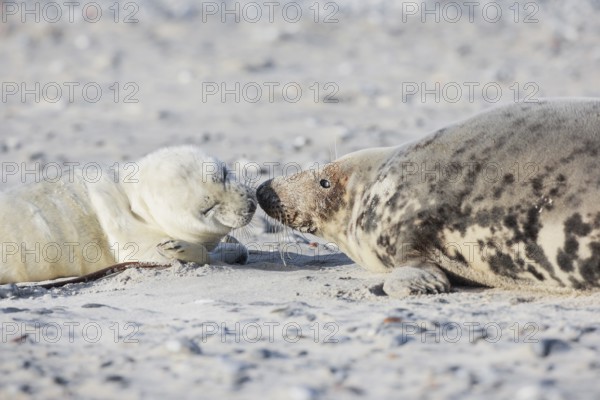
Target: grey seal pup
point(178, 203)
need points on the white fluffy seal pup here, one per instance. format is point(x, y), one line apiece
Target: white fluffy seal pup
point(178, 203)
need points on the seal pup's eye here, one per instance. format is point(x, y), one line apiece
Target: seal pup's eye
point(325, 183)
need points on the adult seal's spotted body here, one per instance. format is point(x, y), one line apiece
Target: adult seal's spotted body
point(508, 198)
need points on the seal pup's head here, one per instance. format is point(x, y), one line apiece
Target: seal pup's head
point(187, 194)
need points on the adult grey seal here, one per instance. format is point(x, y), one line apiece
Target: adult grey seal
point(177, 203)
point(508, 198)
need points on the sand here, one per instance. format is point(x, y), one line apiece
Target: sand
point(301, 320)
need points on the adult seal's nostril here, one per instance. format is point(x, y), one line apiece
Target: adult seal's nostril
point(263, 188)
point(264, 194)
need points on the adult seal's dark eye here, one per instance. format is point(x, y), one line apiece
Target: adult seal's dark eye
point(325, 183)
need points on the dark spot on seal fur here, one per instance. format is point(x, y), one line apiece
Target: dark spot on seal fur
point(393, 201)
point(537, 185)
point(536, 274)
point(427, 142)
point(517, 123)
point(534, 252)
point(508, 179)
point(533, 226)
point(369, 218)
point(590, 267)
point(564, 261)
point(510, 221)
point(503, 264)
point(571, 246)
point(460, 258)
point(568, 255)
point(535, 128)
point(483, 218)
point(596, 222)
point(575, 225)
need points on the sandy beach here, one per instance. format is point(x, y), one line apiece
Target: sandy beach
point(272, 88)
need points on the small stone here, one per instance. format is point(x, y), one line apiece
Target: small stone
point(13, 310)
point(548, 346)
point(93, 305)
point(300, 142)
point(43, 311)
point(377, 290)
point(59, 380)
point(12, 143)
point(265, 354)
point(183, 346)
point(392, 320)
point(303, 393)
point(400, 340)
point(116, 379)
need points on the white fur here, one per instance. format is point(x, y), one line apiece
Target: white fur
point(150, 211)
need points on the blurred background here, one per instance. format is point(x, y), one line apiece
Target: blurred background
point(274, 82)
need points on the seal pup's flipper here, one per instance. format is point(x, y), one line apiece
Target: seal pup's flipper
point(229, 251)
point(184, 251)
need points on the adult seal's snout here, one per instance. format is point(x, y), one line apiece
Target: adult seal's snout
point(263, 194)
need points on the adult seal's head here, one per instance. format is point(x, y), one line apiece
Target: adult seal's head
point(317, 201)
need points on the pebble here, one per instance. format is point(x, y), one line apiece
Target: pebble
point(303, 393)
point(12, 143)
point(265, 354)
point(12, 310)
point(377, 290)
point(400, 340)
point(300, 142)
point(295, 309)
point(93, 305)
point(545, 347)
point(232, 372)
point(183, 346)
